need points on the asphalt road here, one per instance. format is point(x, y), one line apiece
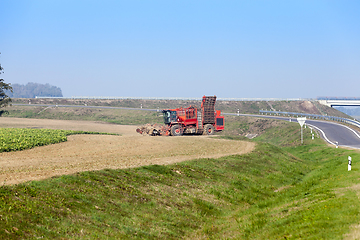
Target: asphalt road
point(333, 133)
point(330, 131)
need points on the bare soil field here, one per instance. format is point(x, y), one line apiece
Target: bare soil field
point(95, 152)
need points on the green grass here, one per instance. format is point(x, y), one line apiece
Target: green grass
point(287, 134)
point(15, 139)
point(149, 202)
point(309, 208)
point(271, 193)
point(277, 132)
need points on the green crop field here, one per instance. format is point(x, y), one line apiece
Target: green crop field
point(15, 139)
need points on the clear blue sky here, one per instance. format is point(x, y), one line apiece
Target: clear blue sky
point(184, 48)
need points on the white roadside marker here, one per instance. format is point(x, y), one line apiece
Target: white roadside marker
point(349, 164)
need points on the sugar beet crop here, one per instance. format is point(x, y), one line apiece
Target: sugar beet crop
point(15, 139)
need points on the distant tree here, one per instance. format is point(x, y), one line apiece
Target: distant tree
point(4, 98)
point(31, 90)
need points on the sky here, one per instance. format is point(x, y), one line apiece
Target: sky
point(184, 48)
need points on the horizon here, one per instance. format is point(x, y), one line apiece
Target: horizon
point(191, 98)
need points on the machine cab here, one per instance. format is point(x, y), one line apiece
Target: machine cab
point(219, 121)
point(169, 116)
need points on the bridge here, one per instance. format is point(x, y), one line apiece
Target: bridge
point(340, 102)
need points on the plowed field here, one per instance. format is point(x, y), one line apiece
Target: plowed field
point(95, 152)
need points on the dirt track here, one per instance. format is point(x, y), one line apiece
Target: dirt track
point(94, 152)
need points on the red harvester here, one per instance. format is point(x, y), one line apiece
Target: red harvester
point(188, 120)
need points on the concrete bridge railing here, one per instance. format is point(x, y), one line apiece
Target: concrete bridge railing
point(331, 102)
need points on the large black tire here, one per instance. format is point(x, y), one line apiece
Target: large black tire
point(208, 129)
point(176, 130)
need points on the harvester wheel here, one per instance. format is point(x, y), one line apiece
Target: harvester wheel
point(208, 129)
point(176, 130)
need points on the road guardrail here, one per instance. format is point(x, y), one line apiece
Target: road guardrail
point(313, 116)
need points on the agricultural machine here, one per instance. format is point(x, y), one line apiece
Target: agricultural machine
point(189, 120)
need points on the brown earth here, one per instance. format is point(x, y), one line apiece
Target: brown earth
point(309, 107)
point(95, 152)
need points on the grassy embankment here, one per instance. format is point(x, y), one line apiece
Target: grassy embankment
point(274, 192)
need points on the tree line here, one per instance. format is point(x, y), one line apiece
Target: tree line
point(31, 90)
